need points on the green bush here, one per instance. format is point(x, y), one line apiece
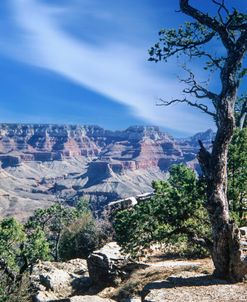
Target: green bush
point(79, 238)
point(174, 214)
point(237, 176)
point(15, 291)
point(18, 253)
point(73, 232)
point(83, 236)
point(55, 221)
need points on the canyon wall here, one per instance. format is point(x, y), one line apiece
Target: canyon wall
point(41, 164)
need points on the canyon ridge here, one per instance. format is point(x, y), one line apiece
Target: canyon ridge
point(43, 164)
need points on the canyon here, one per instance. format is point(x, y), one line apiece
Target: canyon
point(43, 164)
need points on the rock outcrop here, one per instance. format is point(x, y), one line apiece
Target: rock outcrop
point(243, 232)
point(126, 203)
point(10, 161)
point(243, 240)
point(106, 266)
point(59, 280)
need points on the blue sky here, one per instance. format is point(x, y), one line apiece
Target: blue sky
point(85, 62)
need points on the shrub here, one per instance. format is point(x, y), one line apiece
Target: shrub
point(175, 213)
point(15, 291)
point(237, 176)
point(79, 238)
point(82, 237)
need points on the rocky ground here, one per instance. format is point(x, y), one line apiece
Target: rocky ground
point(108, 276)
point(191, 286)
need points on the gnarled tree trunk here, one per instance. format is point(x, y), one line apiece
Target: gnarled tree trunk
point(229, 28)
point(226, 253)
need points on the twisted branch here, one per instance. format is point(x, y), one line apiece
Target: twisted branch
point(221, 7)
point(197, 89)
point(202, 107)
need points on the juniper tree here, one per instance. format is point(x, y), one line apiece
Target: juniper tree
point(227, 29)
point(174, 214)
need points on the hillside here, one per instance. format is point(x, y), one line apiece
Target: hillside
point(46, 163)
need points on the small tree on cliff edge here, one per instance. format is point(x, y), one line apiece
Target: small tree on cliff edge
point(229, 28)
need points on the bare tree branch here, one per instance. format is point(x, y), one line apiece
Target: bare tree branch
point(202, 107)
point(221, 7)
point(197, 89)
point(215, 61)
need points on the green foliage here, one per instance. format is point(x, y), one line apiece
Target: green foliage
point(11, 237)
point(237, 175)
point(84, 235)
point(53, 220)
point(70, 232)
point(79, 239)
point(175, 212)
point(36, 247)
point(188, 40)
point(18, 251)
point(52, 233)
point(15, 291)
point(195, 40)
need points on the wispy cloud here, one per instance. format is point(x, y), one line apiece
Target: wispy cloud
point(115, 69)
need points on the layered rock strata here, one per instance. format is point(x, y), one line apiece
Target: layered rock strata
point(42, 164)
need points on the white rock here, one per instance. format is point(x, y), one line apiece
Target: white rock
point(243, 231)
point(59, 279)
point(44, 296)
point(106, 265)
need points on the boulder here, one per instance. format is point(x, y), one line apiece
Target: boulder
point(243, 231)
point(57, 280)
point(107, 265)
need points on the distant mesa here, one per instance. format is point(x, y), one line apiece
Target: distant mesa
point(66, 162)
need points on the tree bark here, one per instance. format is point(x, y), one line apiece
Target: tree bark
point(226, 253)
point(215, 171)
